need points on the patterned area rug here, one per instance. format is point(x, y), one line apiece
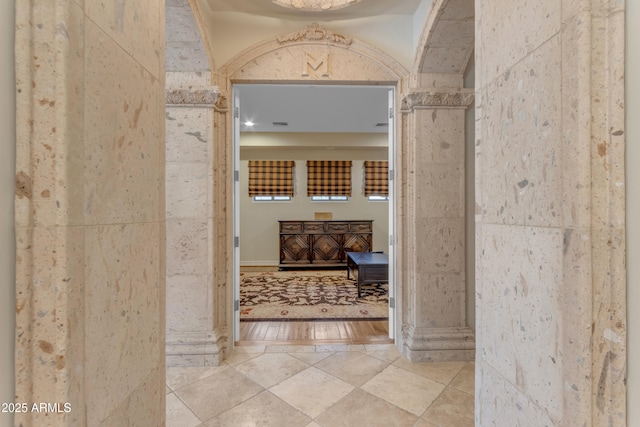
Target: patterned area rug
point(309, 295)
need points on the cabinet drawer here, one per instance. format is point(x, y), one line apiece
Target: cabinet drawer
point(360, 227)
point(340, 227)
point(291, 227)
point(313, 227)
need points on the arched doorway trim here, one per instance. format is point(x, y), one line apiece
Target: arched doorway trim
point(313, 55)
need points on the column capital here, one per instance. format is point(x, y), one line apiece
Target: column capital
point(192, 97)
point(437, 98)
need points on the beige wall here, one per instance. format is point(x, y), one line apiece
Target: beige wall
point(259, 220)
point(633, 210)
point(7, 230)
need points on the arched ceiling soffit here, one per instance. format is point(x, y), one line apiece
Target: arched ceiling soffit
point(186, 48)
point(314, 54)
point(447, 40)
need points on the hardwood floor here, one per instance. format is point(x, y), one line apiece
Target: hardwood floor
point(314, 332)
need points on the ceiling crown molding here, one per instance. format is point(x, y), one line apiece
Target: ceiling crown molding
point(315, 32)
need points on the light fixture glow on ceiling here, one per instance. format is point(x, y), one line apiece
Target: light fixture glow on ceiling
point(249, 123)
point(315, 5)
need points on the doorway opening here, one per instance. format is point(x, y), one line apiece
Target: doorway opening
point(297, 124)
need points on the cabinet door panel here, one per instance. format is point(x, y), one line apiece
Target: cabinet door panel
point(294, 249)
point(326, 248)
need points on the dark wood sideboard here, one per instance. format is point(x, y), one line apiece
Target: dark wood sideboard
point(322, 243)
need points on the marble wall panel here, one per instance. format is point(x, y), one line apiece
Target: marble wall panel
point(137, 28)
point(520, 300)
point(187, 247)
point(521, 176)
point(188, 132)
point(508, 34)
point(124, 318)
point(187, 187)
point(187, 309)
point(124, 164)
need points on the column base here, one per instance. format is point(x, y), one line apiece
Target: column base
point(195, 348)
point(438, 344)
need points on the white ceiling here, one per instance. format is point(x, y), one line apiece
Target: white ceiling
point(362, 9)
point(313, 108)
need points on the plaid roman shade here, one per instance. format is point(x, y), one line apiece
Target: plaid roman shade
point(271, 177)
point(328, 178)
point(376, 178)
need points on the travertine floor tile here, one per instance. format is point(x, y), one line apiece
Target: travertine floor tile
point(270, 368)
point(360, 408)
point(410, 392)
point(424, 423)
point(265, 410)
point(178, 377)
point(312, 391)
point(452, 408)
point(178, 414)
point(442, 372)
point(235, 358)
point(353, 367)
point(218, 393)
point(386, 355)
point(465, 381)
point(311, 358)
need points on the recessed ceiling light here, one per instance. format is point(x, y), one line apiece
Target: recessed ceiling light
point(249, 123)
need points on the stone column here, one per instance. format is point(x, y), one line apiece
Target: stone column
point(194, 335)
point(90, 218)
point(435, 326)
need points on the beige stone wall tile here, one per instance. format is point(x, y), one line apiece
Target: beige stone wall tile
point(123, 163)
point(123, 291)
point(440, 241)
point(187, 79)
point(188, 308)
point(187, 186)
point(50, 319)
point(187, 250)
point(440, 136)
point(509, 406)
point(520, 298)
point(607, 125)
point(441, 190)
point(49, 115)
point(576, 300)
point(188, 134)
point(513, 30)
point(441, 299)
point(521, 176)
point(137, 28)
point(576, 122)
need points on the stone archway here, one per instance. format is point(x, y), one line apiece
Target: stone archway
point(315, 55)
